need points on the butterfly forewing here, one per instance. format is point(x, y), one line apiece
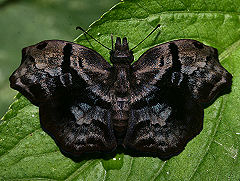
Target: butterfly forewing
point(175, 60)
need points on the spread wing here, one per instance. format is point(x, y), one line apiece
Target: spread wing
point(69, 84)
point(175, 60)
point(78, 126)
point(53, 64)
point(173, 81)
point(162, 123)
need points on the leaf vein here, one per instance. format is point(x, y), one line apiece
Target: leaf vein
point(159, 171)
point(19, 142)
point(211, 140)
point(130, 168)
point(73, 175)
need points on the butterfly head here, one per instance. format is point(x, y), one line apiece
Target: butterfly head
point(121, 54)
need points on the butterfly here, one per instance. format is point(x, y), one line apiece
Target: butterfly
point(153, 106)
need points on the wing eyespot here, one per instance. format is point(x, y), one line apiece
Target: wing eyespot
point(42, 45)
point(31, 59)
point(198, 45)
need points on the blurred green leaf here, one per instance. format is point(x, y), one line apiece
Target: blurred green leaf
point(26, 22)
point(28, 153)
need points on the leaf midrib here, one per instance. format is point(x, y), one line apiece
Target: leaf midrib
point(219, 113)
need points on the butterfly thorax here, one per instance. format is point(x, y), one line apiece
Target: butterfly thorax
point(121, 53)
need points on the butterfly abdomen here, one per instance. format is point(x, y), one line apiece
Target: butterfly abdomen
point(120, 116)
point(120, 104)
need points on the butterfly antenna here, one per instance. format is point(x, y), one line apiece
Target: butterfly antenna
point(80, 28)
point(147, 36)
point(112, 40)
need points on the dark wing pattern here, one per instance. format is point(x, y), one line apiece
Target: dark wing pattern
point(78, 127)
point(173, 80)
point(175, 60)
point(66, 81)
point(164, 123)
point(55, 63)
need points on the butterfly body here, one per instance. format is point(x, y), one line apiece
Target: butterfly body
point(152, 106)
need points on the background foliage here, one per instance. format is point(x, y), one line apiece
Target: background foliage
point(28, 153)
point(26, 22)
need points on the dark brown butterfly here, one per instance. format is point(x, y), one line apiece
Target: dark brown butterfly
point(152, 106)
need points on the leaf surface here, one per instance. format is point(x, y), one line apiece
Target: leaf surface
point(29, 153)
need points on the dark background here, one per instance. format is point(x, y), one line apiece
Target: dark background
point(26, 22)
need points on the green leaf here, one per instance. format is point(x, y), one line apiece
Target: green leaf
point(28, 153)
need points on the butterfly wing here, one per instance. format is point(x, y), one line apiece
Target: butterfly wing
point(179, 59)
point(69, 84)
point(78, 126)
point(162, 123)
point(173, 81)
point(54, 63)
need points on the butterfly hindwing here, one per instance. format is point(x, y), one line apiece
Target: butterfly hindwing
point(163, 122)
point(78, 127)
